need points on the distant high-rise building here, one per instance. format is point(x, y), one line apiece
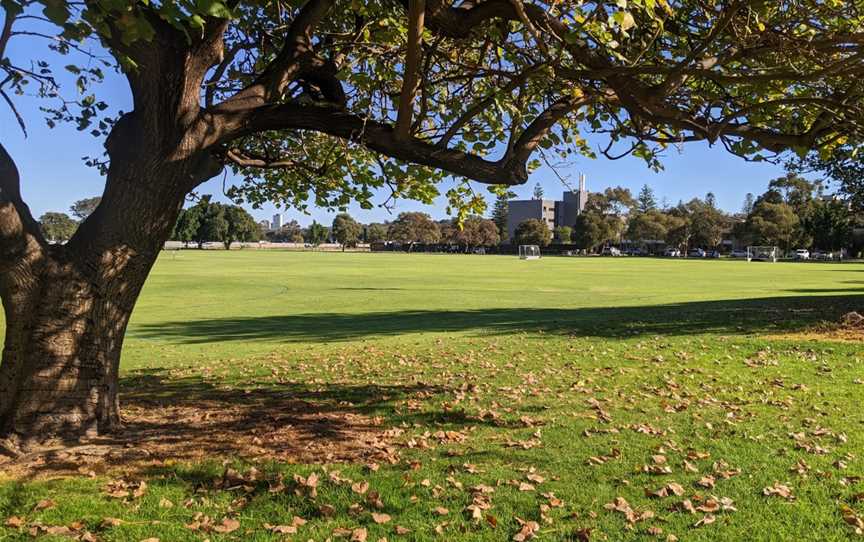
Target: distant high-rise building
point(277, 221)
point(265, 225)
point(552, 213)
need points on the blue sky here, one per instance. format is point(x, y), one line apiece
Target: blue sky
point(53, 174)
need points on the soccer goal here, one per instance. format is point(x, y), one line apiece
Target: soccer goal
point(529, 252)
point(762, 254)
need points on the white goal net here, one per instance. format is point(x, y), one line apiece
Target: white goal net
point(763, 254)
point(529, 252)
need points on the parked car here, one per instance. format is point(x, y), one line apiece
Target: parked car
point(610, 251)
point(672, 253)
point(739, 254)
point(801, 254)
point(696, 253)
point(713, 254)
point(824, 256)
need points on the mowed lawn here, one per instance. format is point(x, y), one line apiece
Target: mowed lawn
point(315, 396)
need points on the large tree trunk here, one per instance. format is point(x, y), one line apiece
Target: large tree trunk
point(67, 307)
point(58, 377)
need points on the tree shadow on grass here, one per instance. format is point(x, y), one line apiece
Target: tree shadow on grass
point(170, 419)
point(749, 316)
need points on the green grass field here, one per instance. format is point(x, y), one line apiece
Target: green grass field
point(480, 398)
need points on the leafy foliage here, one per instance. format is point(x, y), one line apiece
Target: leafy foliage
point(83, 208)
point(414, 227)
point(57, 227)
point(532, 232)
point(346, 231)
point(316, 234)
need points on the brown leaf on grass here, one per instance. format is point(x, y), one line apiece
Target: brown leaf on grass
point(779, 490)
point(657, 469)
point(709, 506)
point(675, 488)
point(44, 504)
point(850, 517)
point(536, 478)
point(111, 522)
point(14, 522)
point(402, 530)
point(708, 519)
point(687, 506)
point(228, 525)
point(281, 529)
point(380, 518)
point(621, 505)
point(122, 489)
point(286, 529)
point(360, 487)
point(150, 540)
point(707, 482)
point(326, 510)
point(800, 467)
point(527, 532)
point(441, 511)
point(358, 535)
point(583, 535)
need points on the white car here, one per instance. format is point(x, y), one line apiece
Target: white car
point(672, 253)
point(802, 254)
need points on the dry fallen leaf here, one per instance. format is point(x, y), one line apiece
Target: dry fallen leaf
point(707, 520)
point(779, 490)
point(228, 525)
point(380, 518)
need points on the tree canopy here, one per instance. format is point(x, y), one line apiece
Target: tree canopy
point(532, 232)
point(83, 208)
point(346, 230)
point(327, 101)
point(57, 227)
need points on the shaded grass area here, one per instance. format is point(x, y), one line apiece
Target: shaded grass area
point(532, 393)
point(722, 317)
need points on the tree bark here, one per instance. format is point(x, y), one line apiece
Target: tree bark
point(67, 307)
point(59, 371)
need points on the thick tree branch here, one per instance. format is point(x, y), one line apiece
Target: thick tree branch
point(376, 136)
point(411, 77)
point(5, 33)
point(21, 241)
point(288, 64)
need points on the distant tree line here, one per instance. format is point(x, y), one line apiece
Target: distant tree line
point(792, 213)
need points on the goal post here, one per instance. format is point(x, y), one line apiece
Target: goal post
point(529, 252)
point(763, 254)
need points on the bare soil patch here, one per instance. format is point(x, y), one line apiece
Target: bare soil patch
point(169, 423)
